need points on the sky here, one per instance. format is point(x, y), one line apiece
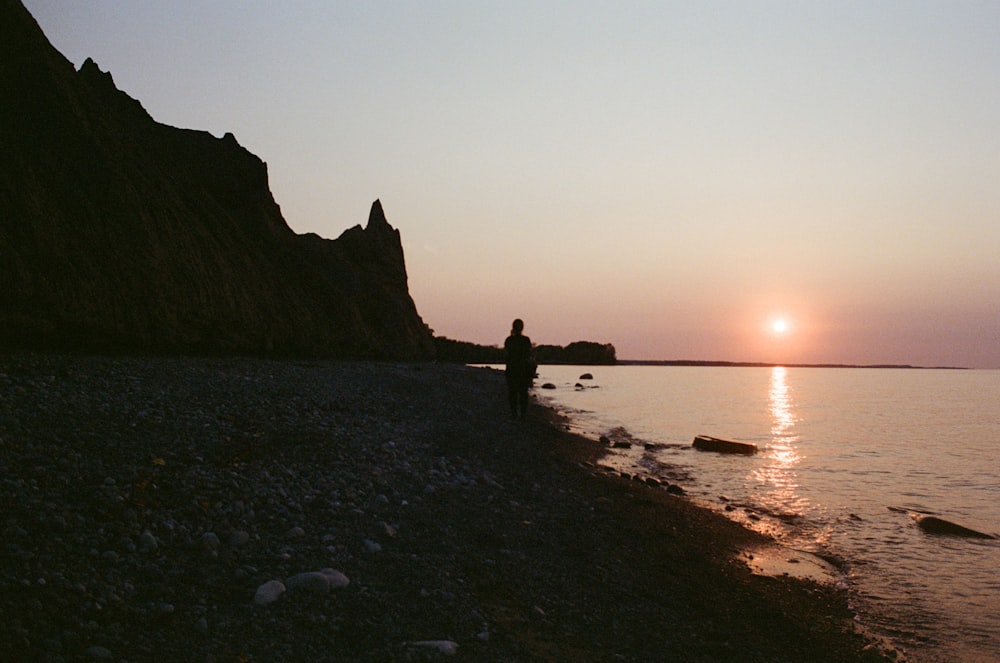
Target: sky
point(669, 177)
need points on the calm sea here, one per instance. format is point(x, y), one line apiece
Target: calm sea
point(846, 456)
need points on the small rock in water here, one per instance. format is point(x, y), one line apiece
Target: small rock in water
point(372, 547)
point(269, 592)
point(295, 533)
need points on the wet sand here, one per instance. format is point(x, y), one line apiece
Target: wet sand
point(147, 502)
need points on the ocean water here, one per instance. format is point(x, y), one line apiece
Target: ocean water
point(847, 458)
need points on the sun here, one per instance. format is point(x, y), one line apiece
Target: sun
point(779, 326)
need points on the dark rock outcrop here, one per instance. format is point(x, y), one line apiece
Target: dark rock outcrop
point(118, 233)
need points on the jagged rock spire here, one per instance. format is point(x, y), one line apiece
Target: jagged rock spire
point(376, 218)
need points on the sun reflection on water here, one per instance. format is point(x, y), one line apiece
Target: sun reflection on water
point(777, 479)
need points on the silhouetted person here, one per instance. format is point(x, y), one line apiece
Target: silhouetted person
point(520, 369)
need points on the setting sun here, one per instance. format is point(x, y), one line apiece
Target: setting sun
point(779, 326)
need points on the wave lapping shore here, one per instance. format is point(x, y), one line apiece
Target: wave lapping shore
point(243, 509)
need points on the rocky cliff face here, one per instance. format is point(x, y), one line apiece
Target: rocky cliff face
point(118, 233)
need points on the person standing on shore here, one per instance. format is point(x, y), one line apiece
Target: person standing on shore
point(519, 369)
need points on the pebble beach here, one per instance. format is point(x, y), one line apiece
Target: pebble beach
point(208, 509)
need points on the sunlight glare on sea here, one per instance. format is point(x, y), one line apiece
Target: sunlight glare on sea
point(845, 457)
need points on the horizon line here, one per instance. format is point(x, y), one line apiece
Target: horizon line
point(758, 364)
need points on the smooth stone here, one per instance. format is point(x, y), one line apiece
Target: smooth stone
point(147, 541)
point(210, 540)
point(269, 592)
point(336, 578)
point(310, 581)
point(238, 538)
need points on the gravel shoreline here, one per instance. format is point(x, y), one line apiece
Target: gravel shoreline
point(196, 509)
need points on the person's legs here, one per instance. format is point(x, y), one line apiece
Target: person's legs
point(512, 396)
point(522, 400)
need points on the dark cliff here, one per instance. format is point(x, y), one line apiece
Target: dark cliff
point(118, 233)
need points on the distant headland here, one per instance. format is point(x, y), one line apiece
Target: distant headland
point(579, 352)
point(589, 353)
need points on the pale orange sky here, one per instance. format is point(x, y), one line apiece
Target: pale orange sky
point(666, 177)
